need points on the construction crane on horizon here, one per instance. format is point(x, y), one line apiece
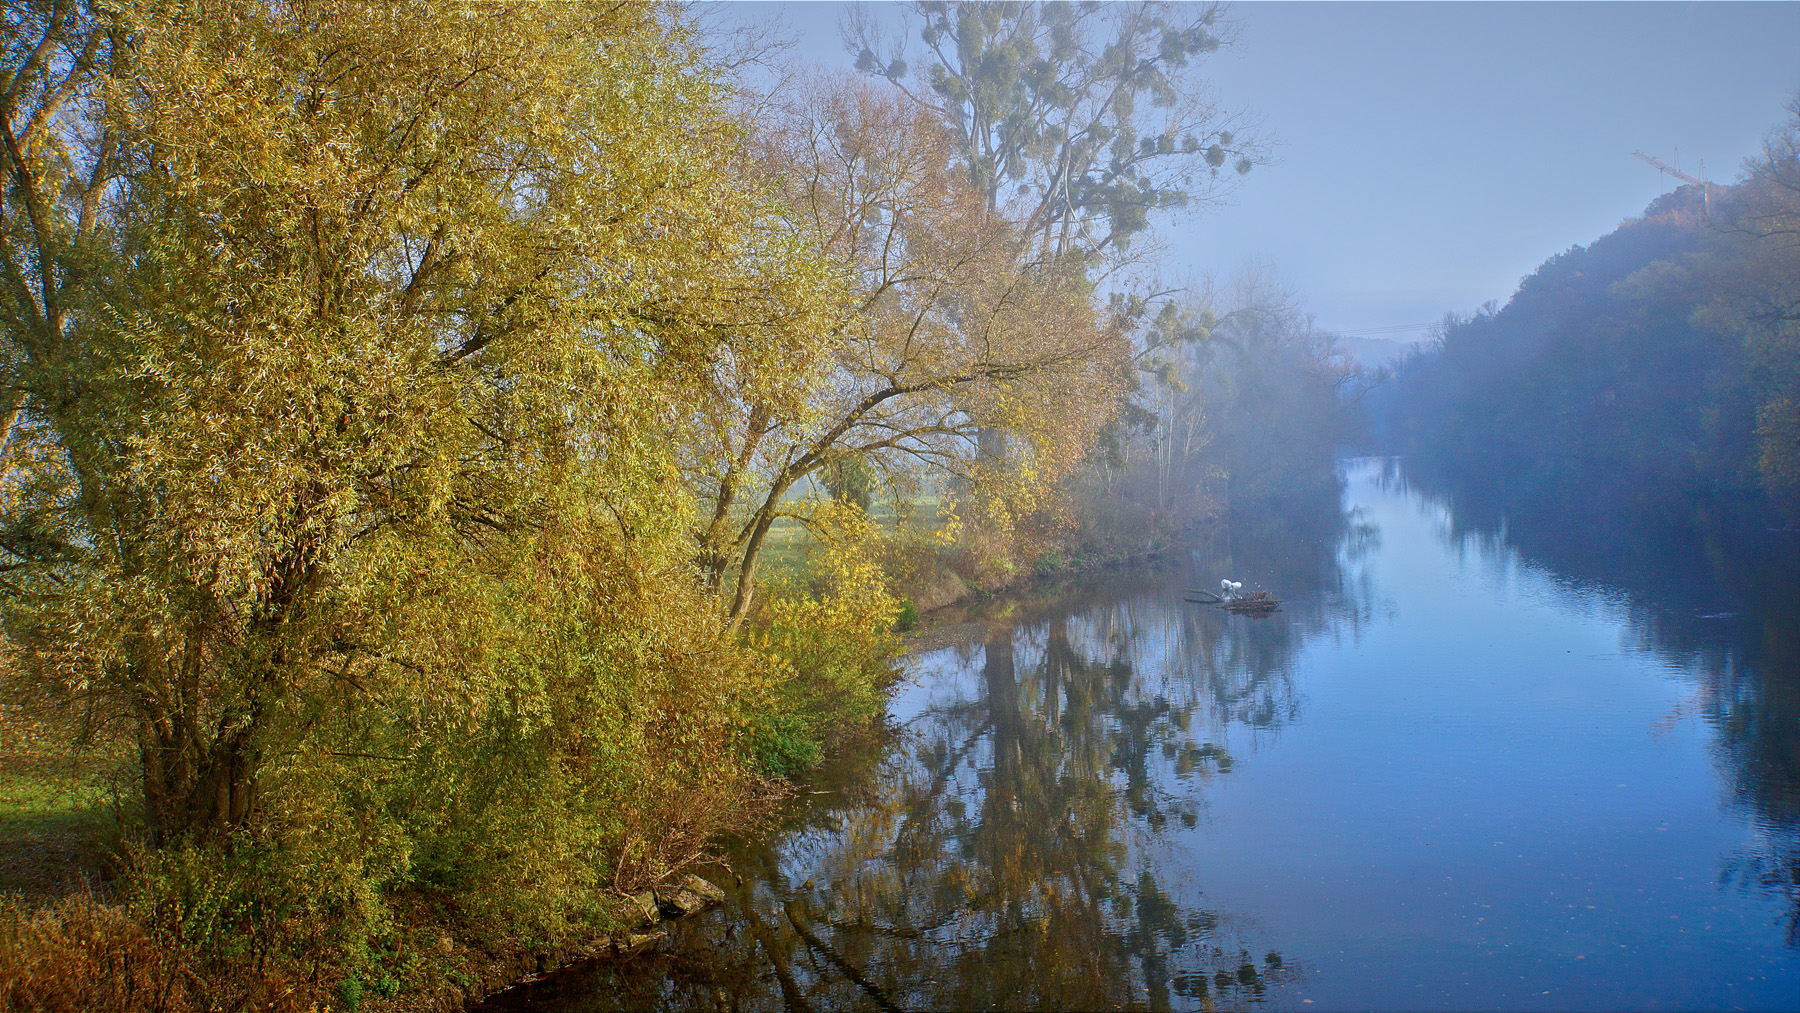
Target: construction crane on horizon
point(1661, 166)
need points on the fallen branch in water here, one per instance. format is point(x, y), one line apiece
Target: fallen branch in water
point(1254, 602)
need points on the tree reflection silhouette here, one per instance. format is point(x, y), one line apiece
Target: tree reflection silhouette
point(1013, 848)
point(1709, 582)
point(1017, 844)
point(1013, 862)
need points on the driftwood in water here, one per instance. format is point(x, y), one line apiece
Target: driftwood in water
point(1256, 603)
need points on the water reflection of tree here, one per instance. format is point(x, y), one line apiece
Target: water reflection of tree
point(1018, 844)
point(1011, 852)
point(1013, 863)
point(1704, 584)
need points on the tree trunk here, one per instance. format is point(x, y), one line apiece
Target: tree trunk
point(194, 787)
point(200, 775)
point(746, 584)
point(10, 411)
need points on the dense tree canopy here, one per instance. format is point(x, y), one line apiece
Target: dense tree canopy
point(347, 438)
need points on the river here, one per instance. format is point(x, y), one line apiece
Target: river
point(1483, 758)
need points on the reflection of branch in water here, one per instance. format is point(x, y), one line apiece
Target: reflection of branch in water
point(840, 963)
point(1041, 895)
point(1773, 870)
point(939, 782)
point(790, 990)
point(894, 931)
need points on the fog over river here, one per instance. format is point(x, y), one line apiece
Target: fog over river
point(1485, 757)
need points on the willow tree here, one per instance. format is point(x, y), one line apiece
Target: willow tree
point(350, 339)
point(944, 328)
point(1088, 124)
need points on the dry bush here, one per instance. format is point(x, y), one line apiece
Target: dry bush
point(671, 831)
point(81, 955)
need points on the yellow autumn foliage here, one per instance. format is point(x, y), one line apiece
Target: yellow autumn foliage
point(356, 344)
point(828, 635)
point(392, 396)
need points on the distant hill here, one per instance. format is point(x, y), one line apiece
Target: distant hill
point(1650, 355)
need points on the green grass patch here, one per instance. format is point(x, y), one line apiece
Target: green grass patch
point(56, 806)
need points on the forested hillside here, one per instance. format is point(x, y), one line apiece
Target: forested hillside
point(1666, 352)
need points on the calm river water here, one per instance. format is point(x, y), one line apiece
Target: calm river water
point(1473, 764)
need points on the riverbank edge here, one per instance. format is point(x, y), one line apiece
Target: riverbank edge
point(634, 924)
point(455, 965)
point(966, 620)
point(962, 620)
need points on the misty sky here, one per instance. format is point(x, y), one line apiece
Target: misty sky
point(1430, 155)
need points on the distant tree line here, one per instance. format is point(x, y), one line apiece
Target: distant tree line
point(1667, 351)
